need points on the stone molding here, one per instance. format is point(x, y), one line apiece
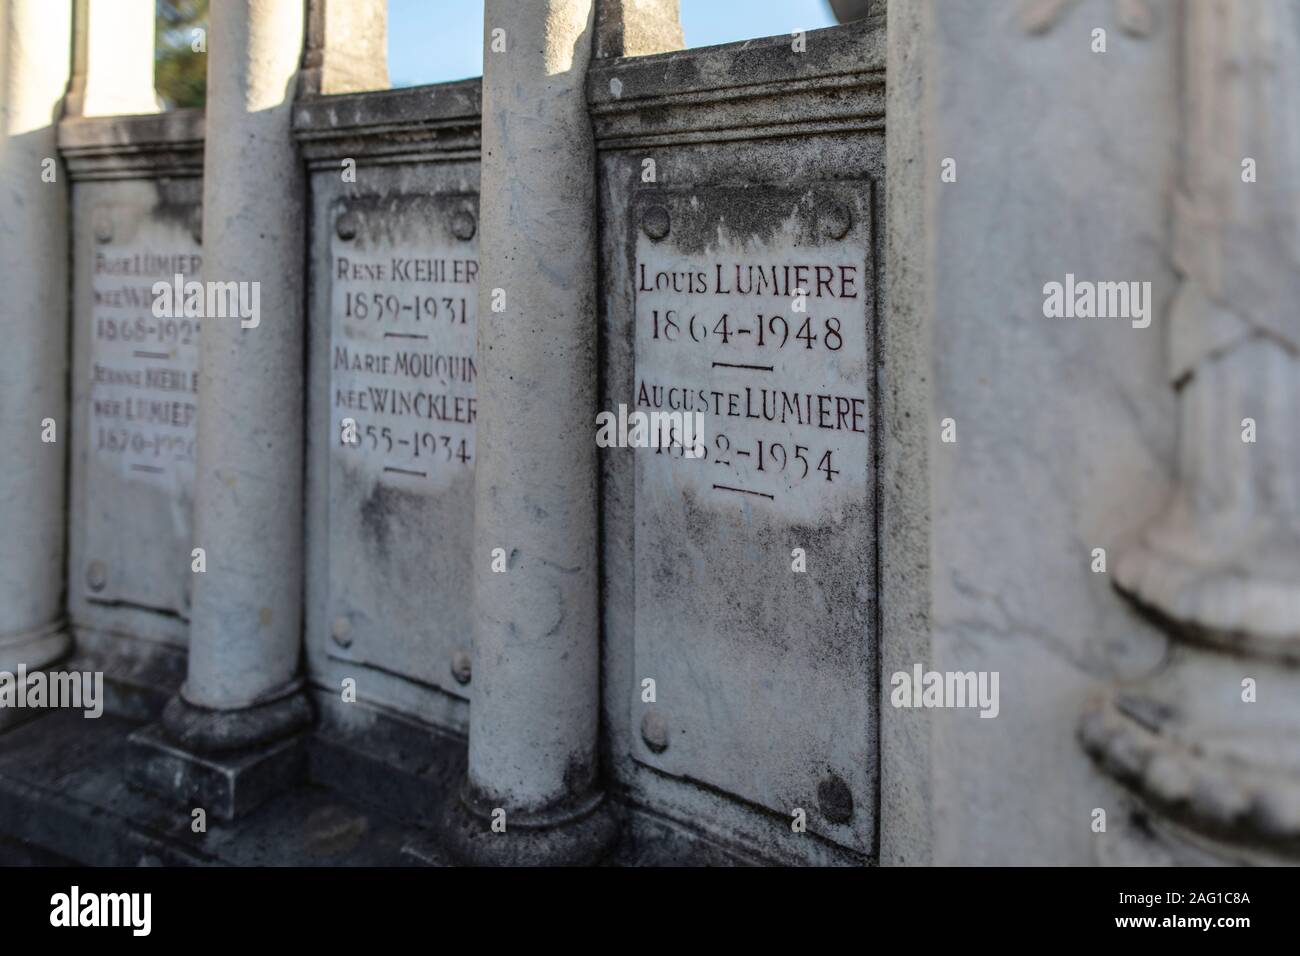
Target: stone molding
point(417, 124)
point(133, 147)
point(711, 94)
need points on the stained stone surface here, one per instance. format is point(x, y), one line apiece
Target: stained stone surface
point(727, 627)
point(403, 304)
point(1065, 428)
point(65, 788)
point(727, 179)
point(135, 404)
point(67, 797)
point(751, 169)
point(389, 525)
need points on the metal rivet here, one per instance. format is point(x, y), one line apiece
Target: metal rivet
point(461, 667)
point(655, 222)
point(103, 226)
point(836, 221)
point(340, 631)
point(463, 225)
point(835, 799)
point(346, 226)
point(97, 575)
point(654, 731)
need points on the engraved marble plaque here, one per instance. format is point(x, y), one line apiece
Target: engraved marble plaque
point(141, 409)
point(403, 298)
point(754, 307)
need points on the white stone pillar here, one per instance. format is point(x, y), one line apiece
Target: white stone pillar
point(637, 27)
point(35, 42)
point(114, 57)
point(347, 47)
point(533, 723)
point(243, 684)
point(535, 717)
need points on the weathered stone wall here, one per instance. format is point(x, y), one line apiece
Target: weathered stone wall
point(393, 283)
point(765, 676)
point(34, 73)
point(136, 220)
point(1065, 428)
point(903, 461)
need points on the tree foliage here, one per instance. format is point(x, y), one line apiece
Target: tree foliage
point(180, 71)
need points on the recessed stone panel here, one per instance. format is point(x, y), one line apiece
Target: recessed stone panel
point(140, 414)
point(403, 300)
point(754, 306)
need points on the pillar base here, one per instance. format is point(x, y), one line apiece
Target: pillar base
point(228, 762)
point(227, 785)
point(34, 651)
point(577, 836)
point(36, 648)
point(205, 731)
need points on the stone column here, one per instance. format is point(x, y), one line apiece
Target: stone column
point(637, 27)
point(243, 686)
point(35, 39)
point(535, 717)
point(347, 49)
point(113, 59)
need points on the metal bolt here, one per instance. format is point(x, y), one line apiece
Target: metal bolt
point(654, 731)
point(463, 225)
point(655, 222)
point(340, 631)
point(836, 221)
point(346, 226)
point(103, 226)
point(461, 667)
point(835, 799)
point(97, 575)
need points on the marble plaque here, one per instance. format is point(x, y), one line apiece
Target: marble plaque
point(141, 397)
point(402, 321)
point(755, 559)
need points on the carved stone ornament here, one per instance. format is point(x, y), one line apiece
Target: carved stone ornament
point(1219, 568)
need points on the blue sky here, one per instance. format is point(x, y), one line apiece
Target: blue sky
point(430, 41)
